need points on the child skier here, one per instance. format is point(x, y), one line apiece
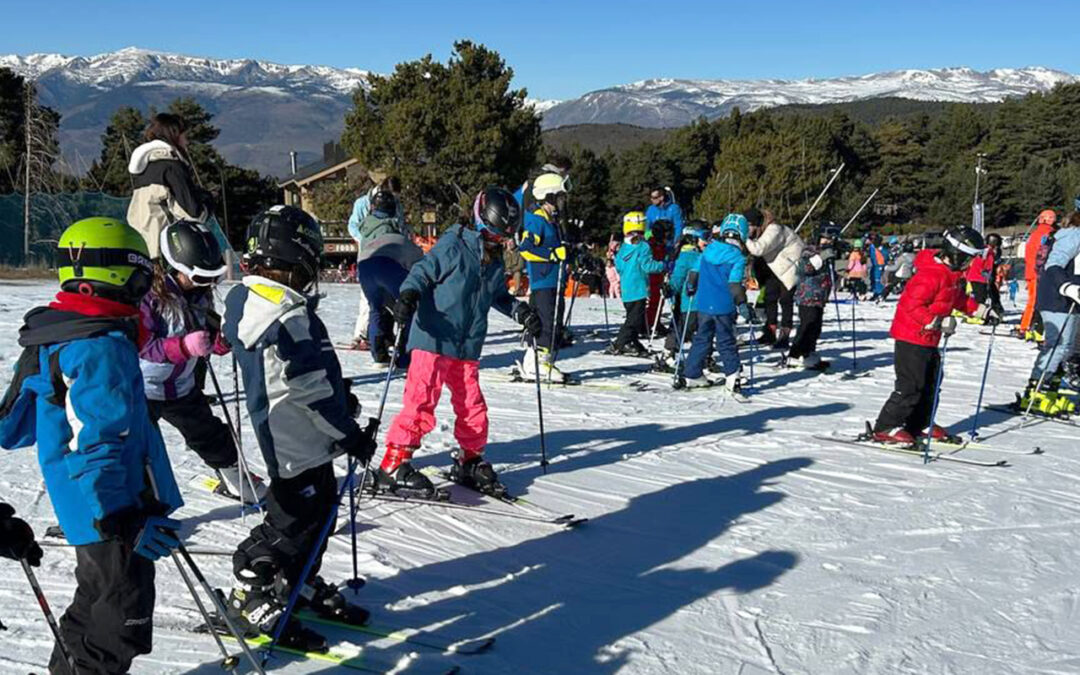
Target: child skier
point(180, 329)
point(299, 407)
point(635, 263)
point(816, 271)
point(717, 294)
point(694, 240)
point(446, 299)
point(78, 394)
point(1058, 291)
point(923, 315)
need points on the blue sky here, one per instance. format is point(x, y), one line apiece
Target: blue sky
point(564, 49)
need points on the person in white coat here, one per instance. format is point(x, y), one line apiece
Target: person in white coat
point(780, 248)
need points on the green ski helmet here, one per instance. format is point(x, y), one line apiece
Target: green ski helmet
point(104, 257)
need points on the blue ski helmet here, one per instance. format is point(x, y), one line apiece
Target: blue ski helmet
point(734, 224)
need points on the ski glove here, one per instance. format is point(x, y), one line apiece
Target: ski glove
point(405, 306)
point(1070, 291)
point(197, 343)
point(947, 325)
point(691, 283)
point(360, 444)
point(987, 314)
point(17, 539)
point(529, 318)
point(817, 261)
point(159, 537)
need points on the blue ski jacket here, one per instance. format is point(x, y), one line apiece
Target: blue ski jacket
point(688, 259)
point(720, 264)
point(457, 291)
point(669, 211)
point(78, 394)
point(634, 263)
point(539, 239)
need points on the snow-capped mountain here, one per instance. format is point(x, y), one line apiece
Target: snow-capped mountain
point(670, 103)
point(266, 109)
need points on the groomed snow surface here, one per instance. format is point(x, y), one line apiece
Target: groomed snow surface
point(723, 537)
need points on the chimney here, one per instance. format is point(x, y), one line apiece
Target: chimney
point(292, 161)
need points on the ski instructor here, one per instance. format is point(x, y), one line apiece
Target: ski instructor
point(780, 248)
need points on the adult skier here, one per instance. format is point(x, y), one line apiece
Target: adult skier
point(923, 316)
point(386, 254)
point(179, 330)
point(446, 298)
point(781, 249)
point(163, 185)
point(77, 394)
point(541, 246)
point(1030, 325)
point(297, 402)
point(879, 259)
point(1058, 295)
point(361, 207)
point(662, 206)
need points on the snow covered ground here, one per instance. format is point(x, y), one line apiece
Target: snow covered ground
point(723, 537)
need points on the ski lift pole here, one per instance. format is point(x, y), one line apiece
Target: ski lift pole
point(864, 205)
point(836, 174)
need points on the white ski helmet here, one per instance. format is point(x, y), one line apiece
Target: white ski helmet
point(549, 184)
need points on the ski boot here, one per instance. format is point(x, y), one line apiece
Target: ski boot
point(470, 470)
point(527, 367)
point(897, 436)
point(233, 483)
point(768, 335)
point(397, 476)
point(1048, 403)
point(328, 602)
point(256, 609)
point(665, 363)
point(939, 434)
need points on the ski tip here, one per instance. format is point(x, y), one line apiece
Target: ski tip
point(1038, 451)
point(474, 647)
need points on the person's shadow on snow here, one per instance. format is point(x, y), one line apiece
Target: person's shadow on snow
point(569, 602)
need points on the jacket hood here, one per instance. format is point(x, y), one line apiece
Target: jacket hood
point(266, 302)
point(926, 258)
point(152, 151)
point(72, 317)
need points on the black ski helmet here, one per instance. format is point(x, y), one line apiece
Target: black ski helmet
point(384, 202)
point(907, 247)
point(285, 238)
point(496, 213)
point(961, 245)
point(191, 248)
point(828, 230)
point(993, 240)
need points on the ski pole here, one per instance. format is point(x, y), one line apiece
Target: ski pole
point(753, 351)
point(682, 340)
point(50, 618)
point(230, 661)
point(554, 327)
point(854, 340)
point(241, 460)
point(836, 299)
point(540, 409)
point(937, 400)
point(219, 606)
point(982, 387)
point(607, 326)
point(1050, 359)
point(656, 320)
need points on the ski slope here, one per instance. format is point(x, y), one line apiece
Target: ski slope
point(723, 538)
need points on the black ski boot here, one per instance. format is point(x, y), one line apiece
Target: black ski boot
point(256, 610)
point(478, 475)
point(328, 602)
point(405, 481)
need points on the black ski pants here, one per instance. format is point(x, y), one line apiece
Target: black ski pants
point(634, 325)
point(295, 512)
point(806, 337)
point(779, 303)
point(203, 432)
point(110, 620)
point(544, 302)
point(912, 401)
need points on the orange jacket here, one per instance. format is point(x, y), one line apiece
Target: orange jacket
point(1031, 250)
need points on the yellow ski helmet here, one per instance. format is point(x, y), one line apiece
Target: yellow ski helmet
point(633, 221)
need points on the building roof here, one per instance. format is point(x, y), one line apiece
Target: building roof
point(334, 159)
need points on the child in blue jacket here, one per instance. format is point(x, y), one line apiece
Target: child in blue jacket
point(718, 293)
point(78, 394)
point(303, 418)
point(634, 262)
point(695, 239)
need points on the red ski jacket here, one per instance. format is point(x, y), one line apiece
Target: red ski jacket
point(934, 291)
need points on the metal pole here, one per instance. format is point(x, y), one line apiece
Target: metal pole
point(230, 661)
point(825, 189)
point(982, 387)
point(50, 618)
point(852, 220)
point(540, 409)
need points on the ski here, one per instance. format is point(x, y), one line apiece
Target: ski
point(960, 443)
point(422, 638)
point(561, 521)
point(361, 661)
point(1011, 409)
point(514, 377)
point(911, 450)
point(214, 485)
point(506, 498)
